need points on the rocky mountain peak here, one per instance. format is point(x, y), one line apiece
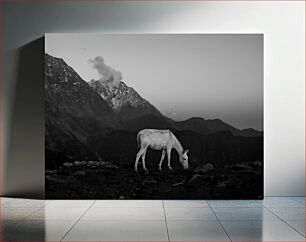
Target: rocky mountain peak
point(123, 99)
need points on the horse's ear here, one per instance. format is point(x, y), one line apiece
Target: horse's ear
point(186, 151)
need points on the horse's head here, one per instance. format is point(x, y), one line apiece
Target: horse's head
point(184, 159)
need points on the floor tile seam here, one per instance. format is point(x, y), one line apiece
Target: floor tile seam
point(240, 207)
point(187, 207)
point(253, 220)
point(165, 217)
point(126, 207)
point(116, 220)
point(220, 223)
point(72, 226)
point(286, 223)
point(284, 206)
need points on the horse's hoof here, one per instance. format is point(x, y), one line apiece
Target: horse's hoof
point(159, 168)
point(146, 172)
point(170, 168)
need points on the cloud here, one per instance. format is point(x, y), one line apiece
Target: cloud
point(107, 74)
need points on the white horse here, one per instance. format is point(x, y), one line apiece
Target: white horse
point(163, 140)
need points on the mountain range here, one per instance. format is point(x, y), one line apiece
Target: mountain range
point(80, 115)
point(138, 113)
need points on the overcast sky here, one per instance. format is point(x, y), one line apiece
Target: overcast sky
point(192, 75)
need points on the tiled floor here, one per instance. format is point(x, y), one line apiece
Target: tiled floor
point(274, 219)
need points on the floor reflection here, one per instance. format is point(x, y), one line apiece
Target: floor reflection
point(274, 219)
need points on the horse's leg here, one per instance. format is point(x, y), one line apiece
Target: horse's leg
point(169, 158)
point(161, 159)
point(143, 160)
point(140, 152)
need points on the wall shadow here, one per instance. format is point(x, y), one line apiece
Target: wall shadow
point(27, 230)
point(24, 169)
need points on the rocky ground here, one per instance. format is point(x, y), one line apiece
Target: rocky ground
point(103, 180)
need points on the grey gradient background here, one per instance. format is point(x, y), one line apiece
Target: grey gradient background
point(282, 24)
point(192, 75)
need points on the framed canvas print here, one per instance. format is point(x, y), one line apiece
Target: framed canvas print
point(154, 116)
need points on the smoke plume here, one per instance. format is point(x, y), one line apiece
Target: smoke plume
point(108, 75)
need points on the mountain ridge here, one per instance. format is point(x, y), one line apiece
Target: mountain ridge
point(139, 113)
point(117, 107)
point(73, 111)
point(124, 100)
point(195, 124)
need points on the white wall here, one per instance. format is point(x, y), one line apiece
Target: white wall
point(283, 26)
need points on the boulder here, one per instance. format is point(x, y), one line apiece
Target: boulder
point(206, 168)
point(242, 167)
point(149, 181)
point(50, 178)
point(77, 163)
point(179, 183)
point(83, 162)
point(91, 163)
point(108, 165)
point(257, 163)
point(194, 178)
point(79, 173)
point(67, 164)
point(97, 163)
point(223, 184)
point(51, 172)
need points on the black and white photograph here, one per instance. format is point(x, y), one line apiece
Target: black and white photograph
point(154, 116)
point(156, 121)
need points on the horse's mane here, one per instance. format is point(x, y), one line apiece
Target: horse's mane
point(177, 142)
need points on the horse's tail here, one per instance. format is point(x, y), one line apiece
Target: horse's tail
point(138, 139)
